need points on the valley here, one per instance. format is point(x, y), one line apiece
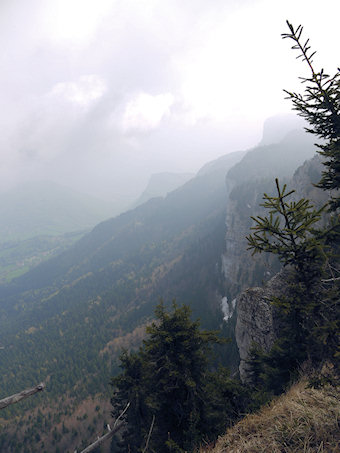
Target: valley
point(65, 321)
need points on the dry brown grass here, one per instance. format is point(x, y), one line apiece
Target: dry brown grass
point(303, 420)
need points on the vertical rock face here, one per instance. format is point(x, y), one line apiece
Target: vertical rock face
point(239, 268)
point(305, 178)
point(257, 322)
point(246, 182)
point(277, 127)
point(254, 325)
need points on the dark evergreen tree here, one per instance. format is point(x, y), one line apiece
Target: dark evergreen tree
point(178, 350)
point(131, 388)
point(169, 387)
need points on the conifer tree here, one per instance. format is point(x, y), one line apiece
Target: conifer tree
point(289, 232)
point(169, 386)
point(131, 388)
point(310, 315)
point(320, 106)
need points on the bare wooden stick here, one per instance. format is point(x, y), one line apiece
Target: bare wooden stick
point(102, 439)
point(116, 427)
point(121, 415)
point(19, 396)
point(335, 279)
point(149, 435)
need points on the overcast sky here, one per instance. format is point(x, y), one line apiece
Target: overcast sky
point(99, 94)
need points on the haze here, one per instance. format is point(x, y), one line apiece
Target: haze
point(98, 95)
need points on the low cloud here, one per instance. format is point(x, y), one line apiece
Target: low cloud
point(100, 95)
point(83, 92)
point(145, 112)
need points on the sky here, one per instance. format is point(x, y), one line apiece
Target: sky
point(97, 95)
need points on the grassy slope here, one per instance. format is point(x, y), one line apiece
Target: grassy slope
point(302, 420)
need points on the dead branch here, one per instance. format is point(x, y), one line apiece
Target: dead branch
point(149, 435)
point(335, 279)
point(121, 415)
point(19, 396)
point(111, 432)
point(102, 439)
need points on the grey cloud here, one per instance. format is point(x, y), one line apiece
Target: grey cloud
point(56, 125)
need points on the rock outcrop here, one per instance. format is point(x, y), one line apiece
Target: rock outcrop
point(257, 321)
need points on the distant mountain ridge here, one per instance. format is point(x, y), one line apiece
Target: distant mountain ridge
point(160, 184)
point(277, 127)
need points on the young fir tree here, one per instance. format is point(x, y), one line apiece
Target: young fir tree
point(290, 232)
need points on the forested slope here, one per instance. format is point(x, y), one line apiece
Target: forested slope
point(56, 318)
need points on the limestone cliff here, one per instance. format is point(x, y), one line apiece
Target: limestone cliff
point(246, 182)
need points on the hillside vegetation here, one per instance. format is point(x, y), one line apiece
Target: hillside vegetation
point(302, 420)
